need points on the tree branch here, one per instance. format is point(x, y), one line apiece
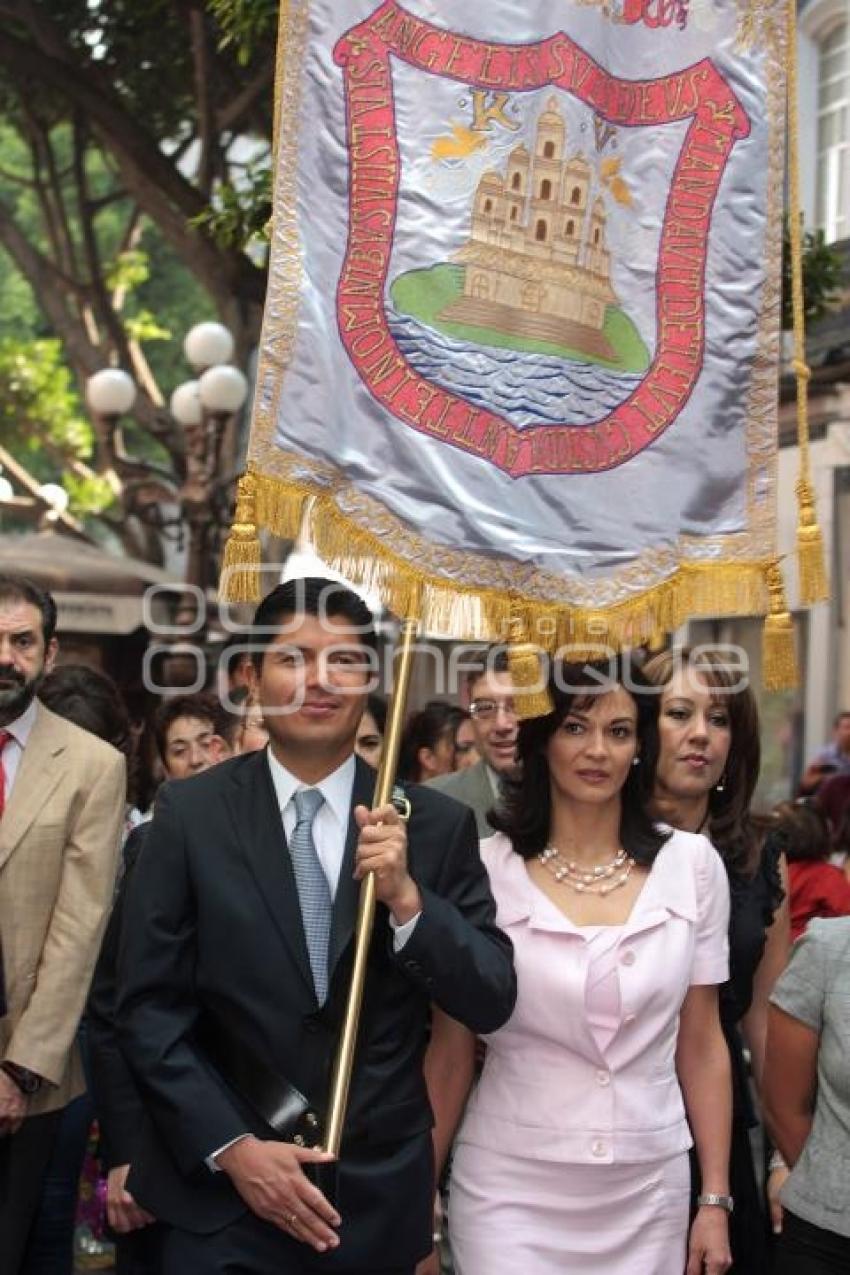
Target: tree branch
point(231, 115)
point(203, 100)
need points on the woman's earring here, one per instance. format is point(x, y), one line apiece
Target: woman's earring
point(636, 760)
point(721, 783)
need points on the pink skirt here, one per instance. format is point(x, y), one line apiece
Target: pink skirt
point(510, 1216)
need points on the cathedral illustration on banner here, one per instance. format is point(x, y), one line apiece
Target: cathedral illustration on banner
point(537, 264)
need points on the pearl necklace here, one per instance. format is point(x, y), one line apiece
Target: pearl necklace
point(600, 880)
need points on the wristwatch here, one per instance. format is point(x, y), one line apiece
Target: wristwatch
point(29, 1082)
point(718, 1201)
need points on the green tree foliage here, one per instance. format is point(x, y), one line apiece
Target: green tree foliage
point(134, 154)
point(821, 277)
point(42, 424)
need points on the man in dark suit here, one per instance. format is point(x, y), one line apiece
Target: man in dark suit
point(190, 733)
point(235, 964)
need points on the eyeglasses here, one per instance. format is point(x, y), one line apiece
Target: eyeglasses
point(486, 710)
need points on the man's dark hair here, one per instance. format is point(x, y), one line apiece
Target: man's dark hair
point(839, 717)
point(203, 707)
point(377, 706)
point(801, 831)
point(91, 700)
point(437, 720)
point(311, 595)
point(19, 589)
point(493, 660)
point(525, 811)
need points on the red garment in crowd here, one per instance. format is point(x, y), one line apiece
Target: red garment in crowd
point(818, 889)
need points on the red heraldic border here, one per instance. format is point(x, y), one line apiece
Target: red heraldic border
point(698, 93)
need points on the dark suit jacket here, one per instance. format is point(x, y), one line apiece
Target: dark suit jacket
point(213, 941)
point(120, 1111)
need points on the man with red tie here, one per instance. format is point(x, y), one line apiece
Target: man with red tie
point(62, 795)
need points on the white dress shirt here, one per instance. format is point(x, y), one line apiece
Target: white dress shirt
point(20, 730)
point(330, 826)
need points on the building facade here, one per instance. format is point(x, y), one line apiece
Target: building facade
point(537, 263)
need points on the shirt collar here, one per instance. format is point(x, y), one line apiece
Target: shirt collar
point(21, 728)
point(336, 787)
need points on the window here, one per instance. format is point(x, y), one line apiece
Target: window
point(833, 141)
point(481, 287)
point(596, 235)
point(575, 195)
point(546, 189)
point(541, 231)
point(548, 150)
point(488, 205)
point(514, 212)
point(570, 229)
point(516, 182)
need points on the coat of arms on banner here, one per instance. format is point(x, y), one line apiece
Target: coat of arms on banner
point(524, 343)
point(520, 346)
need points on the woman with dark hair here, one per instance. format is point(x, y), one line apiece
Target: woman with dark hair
point(706, 771)
point(466, 746)
point(572, 1156)
point(369, 743)
point(817, 888)
point(428, 742)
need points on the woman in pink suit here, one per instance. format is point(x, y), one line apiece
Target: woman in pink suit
point(573, 1155)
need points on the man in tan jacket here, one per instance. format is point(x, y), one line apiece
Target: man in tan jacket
point(62, 795)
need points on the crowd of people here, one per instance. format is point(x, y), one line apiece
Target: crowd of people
point(582, 998)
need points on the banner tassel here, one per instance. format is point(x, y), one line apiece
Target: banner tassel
point(810, 551)
point(813, 585)
point(240, 569)
point(779, 660)
point(531, 693)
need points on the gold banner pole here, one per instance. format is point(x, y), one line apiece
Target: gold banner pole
point(341, 1083)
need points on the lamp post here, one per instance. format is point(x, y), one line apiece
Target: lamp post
point(202, 408)
point(110, 393)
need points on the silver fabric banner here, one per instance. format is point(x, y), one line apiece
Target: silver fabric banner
point(523, 310)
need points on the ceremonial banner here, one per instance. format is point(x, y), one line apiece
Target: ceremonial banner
point(520, 348)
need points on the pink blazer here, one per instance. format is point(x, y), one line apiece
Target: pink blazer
point(548, 1092)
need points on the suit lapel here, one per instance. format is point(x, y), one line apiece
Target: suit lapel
point(38, 774)
point(259, 829)
point(348, 890)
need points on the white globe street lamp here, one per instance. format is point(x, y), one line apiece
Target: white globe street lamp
point(223, 390)
point(185, 404)
point(110, 392)
point(7, 491)
point(208, 344)
point(55, 496)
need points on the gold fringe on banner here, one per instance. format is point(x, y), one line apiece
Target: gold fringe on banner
point(470, 612)
point(240, 570)
point(779, 660)
point(813, 585)
point(531, 692)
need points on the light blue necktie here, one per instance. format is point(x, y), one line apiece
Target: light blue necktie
point(313, 890)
